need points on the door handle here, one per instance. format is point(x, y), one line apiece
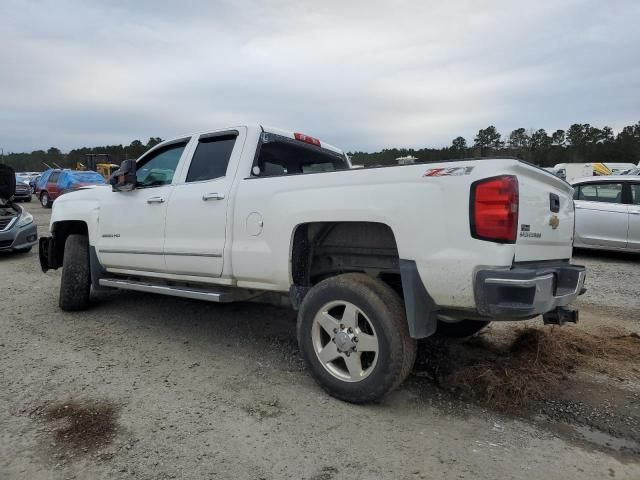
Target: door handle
point(634, 212)
point(155, 200)
point(212, 196)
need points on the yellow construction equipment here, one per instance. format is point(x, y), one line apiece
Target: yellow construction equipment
point(601, 169)
point(105, 168)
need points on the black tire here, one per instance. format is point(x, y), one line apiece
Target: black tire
point(75, 285)
point(461, 329)
point(45, 201)
point(385, 311)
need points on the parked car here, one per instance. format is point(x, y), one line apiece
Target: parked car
point(632, 171)
point(23, 190)
point(18, 231)
point(608, 213)
point(34, 182)
point(56, 182)
point(31, 178)
point(372, 258)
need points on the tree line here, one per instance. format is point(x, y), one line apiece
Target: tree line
point(38, 159)
point(580, 143)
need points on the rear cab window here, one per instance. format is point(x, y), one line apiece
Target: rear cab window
point(281, 155)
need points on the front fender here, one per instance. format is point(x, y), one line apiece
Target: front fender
point(73, 207)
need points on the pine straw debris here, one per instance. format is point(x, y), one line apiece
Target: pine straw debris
point(537, 360)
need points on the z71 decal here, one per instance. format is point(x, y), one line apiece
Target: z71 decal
point(448, 172)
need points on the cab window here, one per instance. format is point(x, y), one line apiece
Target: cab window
point(635, 193)
point(211, 158)
point(600, 192)
point(158, 168)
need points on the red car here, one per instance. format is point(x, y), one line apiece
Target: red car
point(55, 182)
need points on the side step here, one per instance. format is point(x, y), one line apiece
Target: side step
point(220, 296)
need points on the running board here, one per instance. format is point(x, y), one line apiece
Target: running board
point(220, 296)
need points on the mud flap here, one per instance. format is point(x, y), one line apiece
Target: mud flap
point(420, 307)
point(44, 249)
point(97, 270)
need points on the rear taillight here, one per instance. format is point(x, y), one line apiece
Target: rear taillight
point(307, 139)
point(494, 209)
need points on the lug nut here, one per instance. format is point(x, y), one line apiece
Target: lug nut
point(335, 330)
point(341, 326)
point(355, 339)
point(347, 353)
point(350, 330)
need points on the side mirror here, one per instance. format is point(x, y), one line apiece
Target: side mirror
point(124, 179)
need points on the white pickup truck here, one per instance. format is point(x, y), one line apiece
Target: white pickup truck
point(372, 258)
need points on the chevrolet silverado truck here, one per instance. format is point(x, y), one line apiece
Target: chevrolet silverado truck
point(371, 258)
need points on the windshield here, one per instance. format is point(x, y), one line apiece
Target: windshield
point(22, 179)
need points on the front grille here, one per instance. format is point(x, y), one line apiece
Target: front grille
point(5, 222)
point(5, 243)
point(22, 189)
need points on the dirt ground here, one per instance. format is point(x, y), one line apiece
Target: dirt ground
point(152, 387)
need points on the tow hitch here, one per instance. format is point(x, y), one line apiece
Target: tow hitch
point(560, 316)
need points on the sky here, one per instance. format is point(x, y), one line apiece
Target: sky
point(359, 75)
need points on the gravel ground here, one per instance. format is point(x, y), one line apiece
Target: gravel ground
point(152, 387)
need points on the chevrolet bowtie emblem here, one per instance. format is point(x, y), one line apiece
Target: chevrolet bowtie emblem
point(554, 221)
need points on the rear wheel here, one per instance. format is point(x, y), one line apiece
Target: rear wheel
point(45, 201)
point(354, 338)
point(461, 329)
point(75, 285)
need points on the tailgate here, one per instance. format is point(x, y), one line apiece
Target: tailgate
point(545, 216)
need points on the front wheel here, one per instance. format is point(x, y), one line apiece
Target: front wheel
point(354, 338)
point(45, 201)
point(75, 285)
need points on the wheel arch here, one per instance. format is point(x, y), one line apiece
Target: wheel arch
point(60, 231)
point(321, 250)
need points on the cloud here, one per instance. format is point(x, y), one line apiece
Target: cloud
point(361, 75)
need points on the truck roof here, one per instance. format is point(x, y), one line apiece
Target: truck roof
point(288, 134)
point(273, 130)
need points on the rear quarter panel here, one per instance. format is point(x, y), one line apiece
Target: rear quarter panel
point(429, 217)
